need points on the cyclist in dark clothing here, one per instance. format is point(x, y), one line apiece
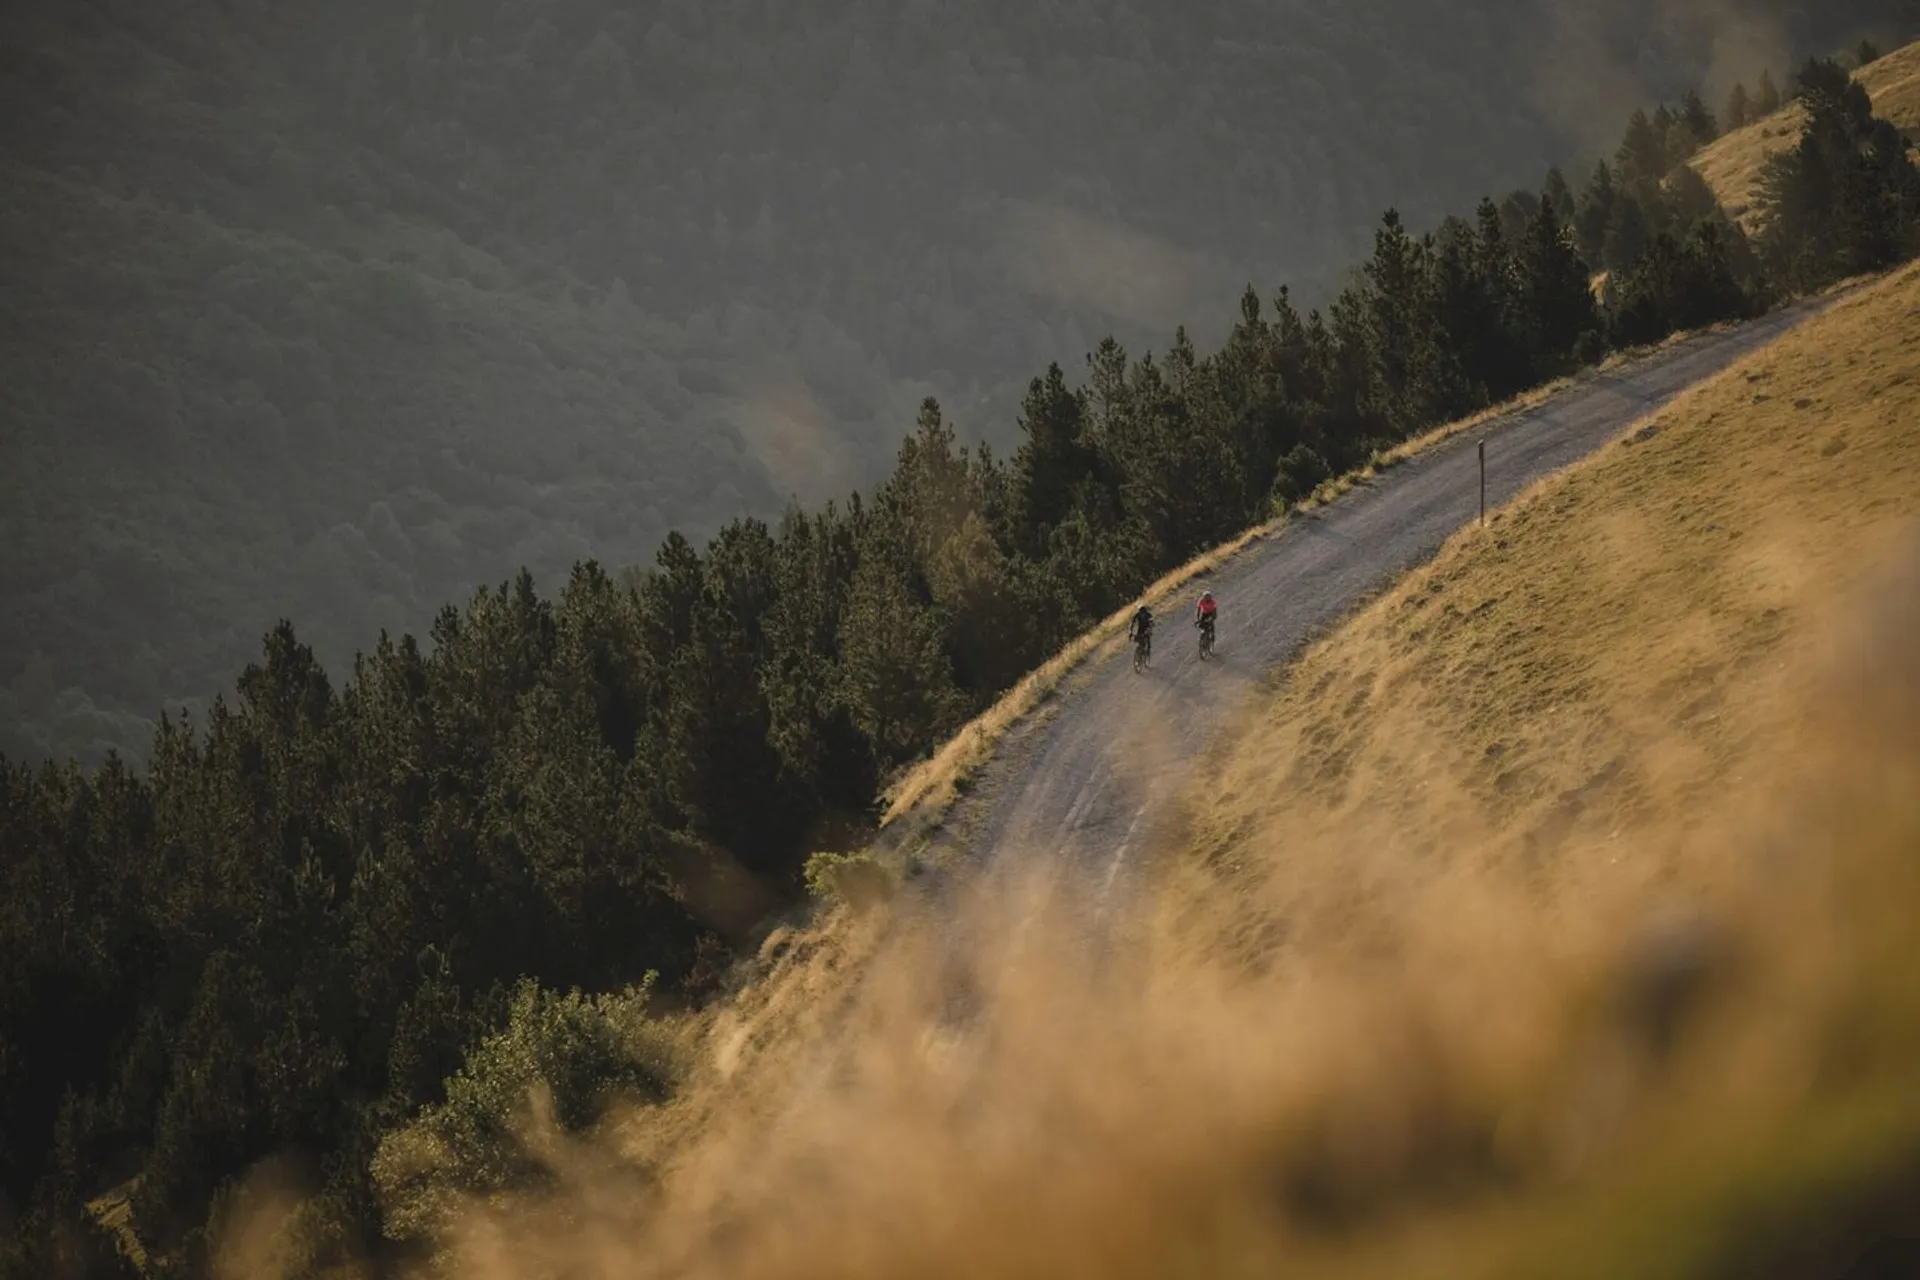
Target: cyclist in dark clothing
point(1140, 630)
point(1142, 624)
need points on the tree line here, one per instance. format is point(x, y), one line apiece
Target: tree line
point(285, 934)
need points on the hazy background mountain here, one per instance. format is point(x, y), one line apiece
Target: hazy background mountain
point(335, 313)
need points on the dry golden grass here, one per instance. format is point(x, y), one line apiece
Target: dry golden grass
point(1732, 164)
point(1394, 1012)
point(1484, 1099)
point(1543, 656)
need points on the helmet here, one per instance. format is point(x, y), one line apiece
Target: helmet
point(1206, 595)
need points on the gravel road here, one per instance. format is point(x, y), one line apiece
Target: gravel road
point(1083, 780)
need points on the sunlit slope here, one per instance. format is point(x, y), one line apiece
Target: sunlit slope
point(1627, 694)
point(1394, 1013)
point(1606, 648)
point(1732, 164)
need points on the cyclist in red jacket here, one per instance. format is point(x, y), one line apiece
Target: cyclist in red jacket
point(1206, 613)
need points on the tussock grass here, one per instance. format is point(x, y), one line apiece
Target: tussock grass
point(1718, 510)
point(1553, 918)
point(1732, 163)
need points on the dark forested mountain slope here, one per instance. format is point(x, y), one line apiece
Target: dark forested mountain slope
point(335, 312)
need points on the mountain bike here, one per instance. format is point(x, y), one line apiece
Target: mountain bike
point(1206, 638)
point(1142, 651)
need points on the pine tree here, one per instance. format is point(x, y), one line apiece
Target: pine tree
point(1107, 392)
point(1689, 198)
point(998, 626)
point(1396, 325)
point(1353, 410)
point(1595, 214)
point(720, 771)
point(1867, 52)
point(1097, 558)
point(1713, 288)
point(1739, 109)
point(1657, 209)
point(1846, 199)
point(1248, 381)
point(896, 677)
point(1516, 212)
point(1695, 129)
point(1463, 305)
point(1676, 284)
point(1557, 191)
point(1666, 126)
point(1301, 368)
point(1053, 458)
point(809, 725)
point(1417, 375)
point(929, 493)
point(1173, 461)
point(1643, 151)
point(1627, 234)
point(1766, 96)
point(1555, 296)
point(1503, 367)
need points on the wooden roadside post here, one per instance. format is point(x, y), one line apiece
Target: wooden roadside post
point(1483, 482)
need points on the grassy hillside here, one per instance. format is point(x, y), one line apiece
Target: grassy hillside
point(250, 949)
point(1623, 643)
point(340, 317)
point(1732, 163)
point(1408, 1007)
point(626, 778)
